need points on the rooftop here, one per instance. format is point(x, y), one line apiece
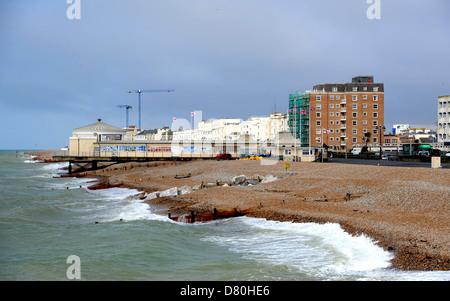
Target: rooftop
point(98, 127)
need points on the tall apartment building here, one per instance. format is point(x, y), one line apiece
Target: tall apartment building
point(339, 115)
point(443, 130)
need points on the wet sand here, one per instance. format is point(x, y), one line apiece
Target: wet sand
point(405, 210)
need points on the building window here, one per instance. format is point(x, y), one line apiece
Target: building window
point(318, 122)
point(354, 123)
point(375, 132)
point(319, 98)
point(332, 106)
point(364, 114)
point(318, 115)
point(364, 122)
point(318, 132)
point(318, 107)
point(331, 114)
point(375, 106)
point(331, 139)
point(354, 132)
point(331, 122)
point(375, 123)
point(338, 97)
point(334, 89)
point(364, 97)
point(375, 98)
point(338, 106)
point(364, 131)
point(355, 97)
point(354, 139)
point(355, 89)
point(354, 115)
point(331, 97)
point(364, 88)
point(375, 139)
point(354, 106)
point(364, 105)
point(375, 89)
point(375, 115)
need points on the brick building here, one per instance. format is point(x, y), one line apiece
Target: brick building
point(340, 114)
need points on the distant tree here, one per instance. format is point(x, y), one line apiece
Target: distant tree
point(366, 137)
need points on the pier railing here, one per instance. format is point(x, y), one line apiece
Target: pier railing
point(132, 155)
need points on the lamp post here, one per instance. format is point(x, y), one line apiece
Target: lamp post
point(381, 128)
point(346, 139)
point(410, 137)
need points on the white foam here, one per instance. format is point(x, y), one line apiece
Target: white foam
point(54, 166)
point(320, 250)
point(118, 205)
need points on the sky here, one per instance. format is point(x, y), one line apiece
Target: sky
point(226, 58)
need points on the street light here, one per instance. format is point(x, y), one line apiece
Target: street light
point(381, 128)
point(346, 139)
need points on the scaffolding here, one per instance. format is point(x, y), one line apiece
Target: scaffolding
point(299, 121)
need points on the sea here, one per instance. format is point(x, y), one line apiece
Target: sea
point(55, 229)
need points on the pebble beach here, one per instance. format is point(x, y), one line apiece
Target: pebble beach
point(403, 209)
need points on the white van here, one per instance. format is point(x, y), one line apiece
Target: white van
point(356, 151)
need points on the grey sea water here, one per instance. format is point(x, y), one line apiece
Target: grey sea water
point(44, 220)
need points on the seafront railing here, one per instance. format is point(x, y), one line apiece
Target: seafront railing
point(132, 154)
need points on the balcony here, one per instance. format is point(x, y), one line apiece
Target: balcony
point(343, 118)
point(343, 126)
point(343, 101)
point(343, 109)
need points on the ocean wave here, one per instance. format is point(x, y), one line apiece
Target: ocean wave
point(321, 251)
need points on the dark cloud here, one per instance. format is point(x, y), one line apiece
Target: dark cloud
point(227, 58)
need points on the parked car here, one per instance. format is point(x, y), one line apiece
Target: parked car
point(387, 156)
point(424, 153)
point(224, 156)
point(356, 151)
point(447, 154)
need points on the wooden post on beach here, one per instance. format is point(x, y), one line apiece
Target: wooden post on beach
point(192, 217)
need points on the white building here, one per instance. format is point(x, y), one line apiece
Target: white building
point(400, 129)
point(214, 129)
point(163, 134)
point(443, 130)
point(256, 128)
point(278, 122)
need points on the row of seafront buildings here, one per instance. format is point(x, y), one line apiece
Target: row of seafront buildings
point(342, 116)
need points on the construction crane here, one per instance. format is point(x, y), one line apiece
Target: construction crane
point(127, 107)
point(139, 91)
